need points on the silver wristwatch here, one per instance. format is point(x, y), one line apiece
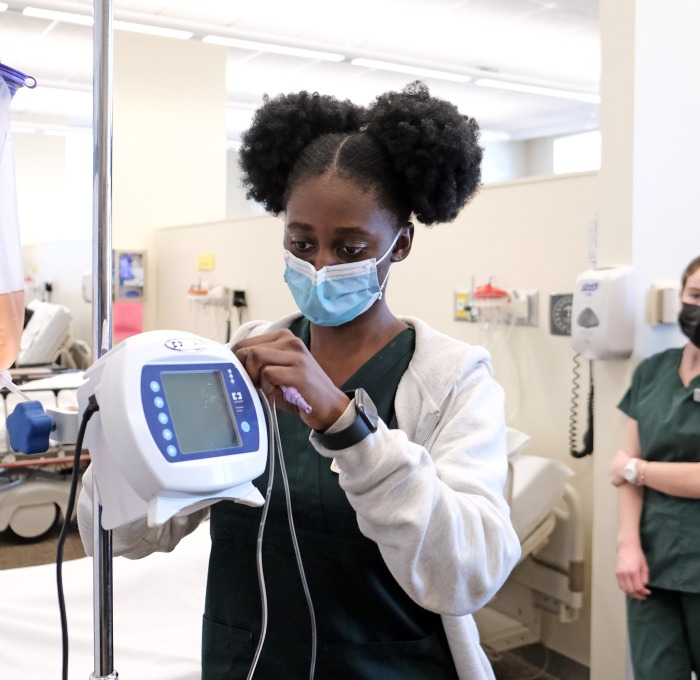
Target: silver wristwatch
point(629, 472)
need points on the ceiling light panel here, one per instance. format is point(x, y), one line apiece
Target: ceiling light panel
point(588, 97)
point(256, 46)
point(291, 19)
point(219, 12)
point(408, 69)
point(148, 29)
point(55, 15)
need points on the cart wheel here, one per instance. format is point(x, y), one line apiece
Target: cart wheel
point(32, 521)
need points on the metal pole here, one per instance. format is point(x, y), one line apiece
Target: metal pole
point(102, 310)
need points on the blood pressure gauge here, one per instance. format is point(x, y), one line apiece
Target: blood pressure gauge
point(179, 427)
point(560, 314)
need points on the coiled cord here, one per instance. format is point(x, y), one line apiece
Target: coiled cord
point(573, 411)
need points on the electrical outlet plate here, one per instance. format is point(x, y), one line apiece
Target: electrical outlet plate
point(525, 306)
point(462, 310)
point(663, 303)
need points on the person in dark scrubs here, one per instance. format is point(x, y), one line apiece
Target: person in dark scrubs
point(397, 467)
point(658, 477)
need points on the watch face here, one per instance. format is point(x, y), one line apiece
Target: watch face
point(367, 409)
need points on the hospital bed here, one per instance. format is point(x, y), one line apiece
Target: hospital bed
point(158, 607)
point(33, 496)
point(47, 338)
point(546, 516)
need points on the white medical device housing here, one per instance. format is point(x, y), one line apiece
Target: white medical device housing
point(179, 427)
point(602, 313)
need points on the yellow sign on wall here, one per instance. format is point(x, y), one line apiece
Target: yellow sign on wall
point(205, 262)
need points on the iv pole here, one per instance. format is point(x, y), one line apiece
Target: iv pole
point(102, 35)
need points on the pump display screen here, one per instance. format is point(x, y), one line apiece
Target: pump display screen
point(200, 411)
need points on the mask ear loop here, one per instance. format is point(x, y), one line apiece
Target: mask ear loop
point(382, 258)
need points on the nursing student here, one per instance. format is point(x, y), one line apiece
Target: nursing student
point(658, 478)
point(396, 472)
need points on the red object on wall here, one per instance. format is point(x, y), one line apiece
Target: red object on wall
point(127, 320)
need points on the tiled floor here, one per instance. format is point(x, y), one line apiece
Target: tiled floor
point(509, 666)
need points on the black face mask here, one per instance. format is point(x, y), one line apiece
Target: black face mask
point(689, 320)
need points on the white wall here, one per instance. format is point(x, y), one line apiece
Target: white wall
point(54, 186)
point(247, 256)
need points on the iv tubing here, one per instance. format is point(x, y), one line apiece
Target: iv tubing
point(261, 531)
point(300, 564)
point(275, 444)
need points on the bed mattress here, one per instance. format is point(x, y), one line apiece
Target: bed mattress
point(158, 605)
point(538, 486)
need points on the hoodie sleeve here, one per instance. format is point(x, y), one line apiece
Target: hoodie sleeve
point(135, 539)
point(439, 516)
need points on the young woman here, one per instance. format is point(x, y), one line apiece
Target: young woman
point(658, 477)
point(397, 471)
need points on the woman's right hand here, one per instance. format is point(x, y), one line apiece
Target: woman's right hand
point(632, 571)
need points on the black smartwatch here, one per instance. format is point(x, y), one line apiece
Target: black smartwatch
point(365, 423)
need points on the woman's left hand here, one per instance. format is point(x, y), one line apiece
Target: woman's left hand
point(281, 359)
point(617, 466)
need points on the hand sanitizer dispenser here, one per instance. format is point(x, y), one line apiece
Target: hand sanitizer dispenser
point(602, 313)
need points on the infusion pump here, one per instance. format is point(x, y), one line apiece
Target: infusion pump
point(179, 427)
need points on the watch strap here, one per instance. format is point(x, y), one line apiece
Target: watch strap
point(361, 427)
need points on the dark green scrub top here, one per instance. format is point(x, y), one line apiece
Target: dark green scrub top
point(669, 431)
point(367, 626)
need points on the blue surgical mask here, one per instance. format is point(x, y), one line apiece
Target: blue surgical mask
point(337, 293)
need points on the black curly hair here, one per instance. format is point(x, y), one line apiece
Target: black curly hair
point(416, 153)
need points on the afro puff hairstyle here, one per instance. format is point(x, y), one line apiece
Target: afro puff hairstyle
point(416, 153)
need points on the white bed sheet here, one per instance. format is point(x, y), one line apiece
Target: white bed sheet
point(538, 486)
point(158, 605)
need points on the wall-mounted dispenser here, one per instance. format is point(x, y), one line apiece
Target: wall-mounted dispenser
point(602, 313)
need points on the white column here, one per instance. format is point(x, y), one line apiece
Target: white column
point(169, 165)
point(649, 203)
